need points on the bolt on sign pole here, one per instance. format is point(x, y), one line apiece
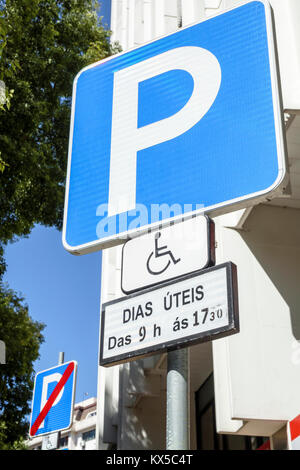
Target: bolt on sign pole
point(177, 433)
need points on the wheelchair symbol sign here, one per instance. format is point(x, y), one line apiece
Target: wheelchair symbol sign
point(160, 252)
point(167, 253)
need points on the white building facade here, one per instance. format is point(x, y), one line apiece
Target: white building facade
point(244, 388)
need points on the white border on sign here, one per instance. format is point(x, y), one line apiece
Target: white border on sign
point(72, 402)
point(224, 207)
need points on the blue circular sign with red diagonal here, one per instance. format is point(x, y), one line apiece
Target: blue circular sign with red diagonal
point(53, 399)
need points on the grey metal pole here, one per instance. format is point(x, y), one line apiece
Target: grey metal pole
point(2, 352)
point(179, 13)
point(178, 400)
point(61, 358)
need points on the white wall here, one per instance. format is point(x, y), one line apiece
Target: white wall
point(135, 22)
point(257, 372)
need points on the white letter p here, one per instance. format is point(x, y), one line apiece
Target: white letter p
point(46, 381)
point(127, 139)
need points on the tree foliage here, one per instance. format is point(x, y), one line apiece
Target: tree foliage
point(22, 337)
point(43, 45)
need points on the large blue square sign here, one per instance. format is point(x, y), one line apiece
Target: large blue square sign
point(53, 399)
point(186, 124)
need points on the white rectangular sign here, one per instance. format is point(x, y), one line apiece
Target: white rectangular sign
point(200, 307)
point(50, 441)
point(168, 253)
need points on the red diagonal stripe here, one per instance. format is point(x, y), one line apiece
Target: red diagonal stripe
point(295, 427)
point(52, 399)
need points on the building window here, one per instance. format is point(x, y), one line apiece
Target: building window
point(89, 435)
point(63, 442)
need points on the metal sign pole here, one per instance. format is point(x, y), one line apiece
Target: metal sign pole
point(2, 352)
point(61, 360)
point(177, 434)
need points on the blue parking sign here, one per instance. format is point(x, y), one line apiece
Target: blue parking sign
point(186, 124)
point(53, 399)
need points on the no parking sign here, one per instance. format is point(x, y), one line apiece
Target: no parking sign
point(53, 399)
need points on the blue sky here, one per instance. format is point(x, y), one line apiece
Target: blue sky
point(62, 291)
point(105, 12)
